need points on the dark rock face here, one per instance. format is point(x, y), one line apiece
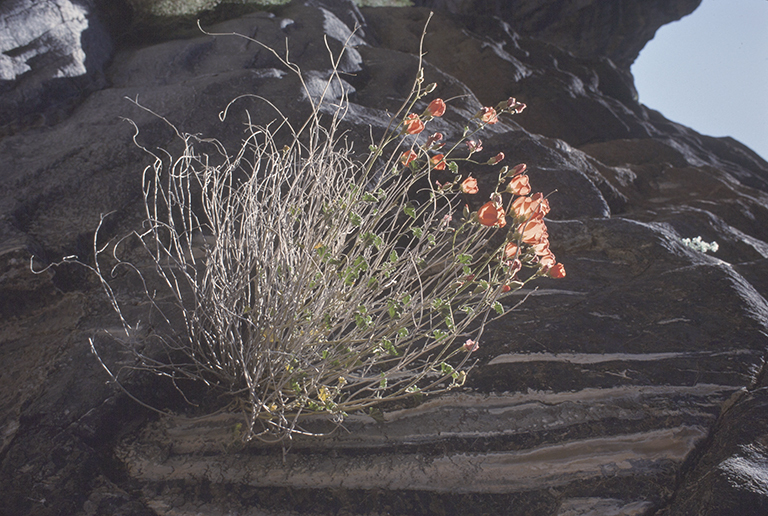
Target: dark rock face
point(591, 29)
point(635, 386)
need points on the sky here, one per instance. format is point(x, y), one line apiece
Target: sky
point(709, 71)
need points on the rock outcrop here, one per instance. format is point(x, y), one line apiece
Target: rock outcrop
point(634, 386)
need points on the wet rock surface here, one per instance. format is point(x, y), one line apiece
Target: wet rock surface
point(634, 386)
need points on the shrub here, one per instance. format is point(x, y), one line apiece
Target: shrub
point(314, 281)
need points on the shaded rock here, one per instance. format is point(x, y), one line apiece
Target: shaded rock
point(591, 29)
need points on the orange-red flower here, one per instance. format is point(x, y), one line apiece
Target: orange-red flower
point(413, 124)
point(510, 250)
point(557, 271)
point(519, 169)
point(542, 248)
point(533, 231)
point(438, 162)
point(434, 138)
point(488, 115)
point(407, 157)
point(525, 207)
point(475, 146)
point(547, 261)
point(515, 106)
point(519, 185)
point(491, 214)
point(469, 185)
point(436, 107)
point(496, 159)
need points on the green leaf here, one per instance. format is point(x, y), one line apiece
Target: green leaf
point(390, 348)
point(393, 309)
point(417, 232)
point(393, 256)
point(453, 167)
point(499, 308)
point(464, 258)
point(383, 382)
point(409, 210)
point(371, 238)
point(446, 368)
point(355, 219)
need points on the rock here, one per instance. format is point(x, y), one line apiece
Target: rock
point(635, 385)
point(590, 29)
point(53, 54)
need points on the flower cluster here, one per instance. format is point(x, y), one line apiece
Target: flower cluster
point(527, 242)
point(698, 244)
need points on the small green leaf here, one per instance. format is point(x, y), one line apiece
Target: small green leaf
point(453, 167)
point(393, 309)
point(383, 382)
point(393, 256)
point(409, 210)
point(499, 308)
point(355, 219)
point(417, 232)
point(390, 348)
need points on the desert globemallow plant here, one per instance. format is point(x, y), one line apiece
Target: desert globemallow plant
point(311, 280)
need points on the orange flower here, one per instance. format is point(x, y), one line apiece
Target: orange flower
point(407, 157)
point(519, 185)
point(510, 250)
point(525, 207)
point(434, 138)
point(515, 106)
point(488, 115)
point(438, 162)
point(436, 107)
point(475, 146)
point(469, 185)
point(518, 169)
point(491, 214)
point(496, 159)
point(547, 261)
point(557, 271)
point(534, 231)
point(542, 248)
point(413, 124)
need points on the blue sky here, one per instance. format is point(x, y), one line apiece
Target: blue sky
point(709, 71)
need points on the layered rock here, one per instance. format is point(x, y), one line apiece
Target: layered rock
point(635, 385)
